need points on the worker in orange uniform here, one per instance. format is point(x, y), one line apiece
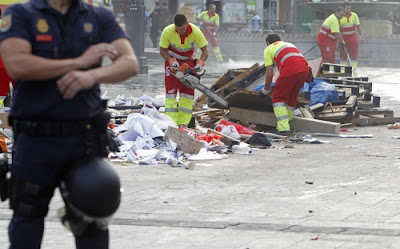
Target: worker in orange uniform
point(349, 23)
point(329, 36)
point(177, 45)
point(4, 78)
point(209, 25)
point(293, 72)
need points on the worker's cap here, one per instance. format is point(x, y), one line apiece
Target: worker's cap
point(158, 4)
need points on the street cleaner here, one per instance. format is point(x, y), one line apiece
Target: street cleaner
point(349, 27)
point(293, 72)
point(177, 45)
point(209, 25)
point(329, 36)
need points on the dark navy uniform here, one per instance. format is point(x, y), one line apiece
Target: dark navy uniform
point(41, 159)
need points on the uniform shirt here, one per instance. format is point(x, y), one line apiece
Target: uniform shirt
point(56, 36)
point(211, 21)
point(330, 25)
point(182, 48)
point(348, 27)
point(286, 57)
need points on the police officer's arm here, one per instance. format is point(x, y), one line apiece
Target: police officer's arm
point(124, 66)
point(21, 64)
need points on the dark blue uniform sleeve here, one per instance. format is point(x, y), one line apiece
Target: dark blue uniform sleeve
point(111, 30)
point(15, 23)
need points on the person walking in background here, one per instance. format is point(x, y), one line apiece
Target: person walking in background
point(53, 49)
point(329, 36)
point(293, 72)
point(349, 27)
point(166, 16)
point(394, 17)
point(156, 23)
point(177, 45)
point(209, 25)
point(256, 23)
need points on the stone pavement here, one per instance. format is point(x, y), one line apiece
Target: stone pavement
point(343, 194)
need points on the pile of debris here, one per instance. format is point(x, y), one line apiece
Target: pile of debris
point(355, 105)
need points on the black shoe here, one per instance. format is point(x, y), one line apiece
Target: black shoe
point(281, 133)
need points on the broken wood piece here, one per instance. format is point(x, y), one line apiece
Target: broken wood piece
point(185, 142)
point(306, 113)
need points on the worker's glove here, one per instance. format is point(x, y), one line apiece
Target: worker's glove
point(199, 65)
point(173, 63)
point(201, 23)
point(264, 92)
point(342, 44)
point(214, 34)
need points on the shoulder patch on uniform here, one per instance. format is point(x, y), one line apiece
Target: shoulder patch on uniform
point(88, 27)
point(6, 22)
point(42, 25)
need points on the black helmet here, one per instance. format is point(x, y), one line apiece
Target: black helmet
point(92, 193)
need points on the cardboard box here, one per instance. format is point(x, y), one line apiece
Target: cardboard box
point(4, 120)
point(185, 142)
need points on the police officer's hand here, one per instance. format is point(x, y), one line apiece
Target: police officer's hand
point(94, 53)
point(73, 82)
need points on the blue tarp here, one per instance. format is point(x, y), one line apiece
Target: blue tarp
point(320, 91)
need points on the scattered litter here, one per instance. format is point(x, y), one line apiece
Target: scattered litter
point(343, 136)
point(309, 182)
point(204, 165)
point(396, 137)
point(316, 238)
point(394, 126)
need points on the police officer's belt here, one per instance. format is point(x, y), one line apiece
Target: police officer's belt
point(50, 128)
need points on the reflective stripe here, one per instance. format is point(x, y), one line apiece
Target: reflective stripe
point(348, 32)
point(290, 55)
point(170, 96)
point(171, 109)
point(329, 35)
point(283, 47)
point(278, 104)
point(183, 109)
point(290, 108)
point(179, 57)
point(282, 117)
point(188, 96)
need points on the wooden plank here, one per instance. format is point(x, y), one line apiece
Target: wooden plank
point(231, 84)
point(351, 106)
point(258, 117)
point(314, 125)
point(205, 111)
point(186, 143)
point(306, 113)
point(374, 121)
point(315, 65)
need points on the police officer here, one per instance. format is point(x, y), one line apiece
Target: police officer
point(53, 49)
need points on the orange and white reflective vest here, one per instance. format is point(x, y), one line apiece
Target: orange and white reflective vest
point(348, 27)
point(287, 58)
point(211, 21)
point(329, 26)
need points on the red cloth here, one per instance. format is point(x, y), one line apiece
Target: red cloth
point(240, 128)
